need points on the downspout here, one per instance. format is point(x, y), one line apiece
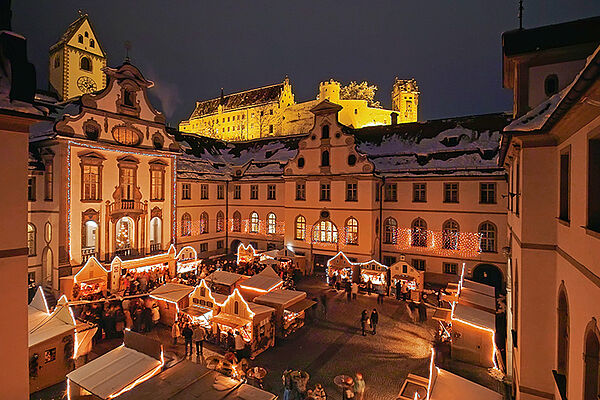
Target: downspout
point(381, 215)
point(226, 217)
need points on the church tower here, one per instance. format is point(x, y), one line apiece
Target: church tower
point(76, 61)
point(405, 99)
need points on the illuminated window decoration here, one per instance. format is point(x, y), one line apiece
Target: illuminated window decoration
point(220, 221)
point(469, 243)
point(72, 143)
point(450, 235)
point(124, 233)
point(203, 223)
point(390, 227)
point(351, 231)
point(186, 225)
point(419, 233)
point(254, 222)
point(255, 226)
point(271, 224)
point(300, 228)
point(236, 222)
point(325, 231)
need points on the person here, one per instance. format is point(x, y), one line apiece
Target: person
point(198, 337)
point(324, 304)
point(187, 335)
point(369, 287)
point(239, 345)
point(175, 332)
point(398, 290)
point(363, 321)
point(374, 320)
point(155, 314)
point(318, 393)
point(359, 386)
point(348, 392)
point(380, 292)
point(405, 292)
point(348, 290)
point(354, 290)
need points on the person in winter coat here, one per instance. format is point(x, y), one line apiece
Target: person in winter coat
point(198, 337)
point(359, 386)
point(187, 334)
point(374, 320)
point(354, 290)
point(363, 321)
point(175, 333)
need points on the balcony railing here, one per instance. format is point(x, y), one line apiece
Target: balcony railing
point(126, 254)
point(126, 205)
point(87, 253)
point(155, 248)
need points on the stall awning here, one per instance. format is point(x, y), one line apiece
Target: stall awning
point(196, 311)
point(230, 320)
point(403, 277)
point(442, 314)
point(301, 305)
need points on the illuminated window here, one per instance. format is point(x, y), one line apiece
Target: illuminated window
point(204, 222)
point(351, 231)
point(85, 64)
point(157, 186)
point(271, 224)
point(91, 182)
point(418, 233)
point(300, 228)
point(155, 231)
point(124, 234)
point(31, 232)
point(126, 136)
point(390, 226)
point(186, 225)
point(254, 222)
point(325, 231)
point(237, 222)
point(487, 230)
point(450, 235)
point(220, 221)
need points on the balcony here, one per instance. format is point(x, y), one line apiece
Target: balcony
point(155, 248)
point(126, 207)
point(87, 253)
point(126, 254)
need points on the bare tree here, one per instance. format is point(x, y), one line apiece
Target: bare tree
point(360, 91)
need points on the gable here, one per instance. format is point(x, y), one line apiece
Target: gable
point(85, 28)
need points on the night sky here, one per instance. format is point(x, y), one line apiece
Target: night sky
point(191, 49)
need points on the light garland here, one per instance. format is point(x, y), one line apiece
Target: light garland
point(245, 253)
point(89, 261)
point(468, 244)
point(262, 229)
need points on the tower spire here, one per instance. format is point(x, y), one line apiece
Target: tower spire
point(127, 48)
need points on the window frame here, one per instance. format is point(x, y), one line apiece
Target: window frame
point(390, 236)
point(186, 191)
point(419, 192)
point(390, 192)
point(485, 236)
point(351, 191)
point(253, 192)
point(449, 190)
point(300, 228)
point(487, 188)
point(271, 192)
point(351, 227)
point(300, 191)
point(325, 191)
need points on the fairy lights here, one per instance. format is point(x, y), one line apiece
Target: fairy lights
point(88, 265)
point(245, 254)
point(447, 244)
point(256, 227)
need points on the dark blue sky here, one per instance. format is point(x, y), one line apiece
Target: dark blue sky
point(193, 48)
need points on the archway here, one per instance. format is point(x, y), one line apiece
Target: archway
point(124, 235)
point(90, 235)
point(234, 246)
point(490, 275)
point(155, 233)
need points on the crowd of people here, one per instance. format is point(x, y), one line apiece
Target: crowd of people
point(134, 282)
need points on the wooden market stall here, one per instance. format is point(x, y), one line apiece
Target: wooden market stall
point(473, 336)
point(290, 306)
point(165, 262)
point(171, 298)
point(245, 254)
point(403, 273)
point(224, 282)
point(187, 260)
point(203, 305)
point(253, 321)
point(265, 281)
point(90, 280)
point(339, 268)
point(138, 359)
point(374, 272)
point(478, 300)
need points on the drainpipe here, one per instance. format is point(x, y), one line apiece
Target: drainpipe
point(226, 217)
point(381, 215)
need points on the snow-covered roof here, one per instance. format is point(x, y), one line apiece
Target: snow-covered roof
point(280, 296)
point(44, 326)
point(172, 292)
point(265, 280)
point(449, 386)
point(474, 316)
point(472, 297)
point(224, 278)
point(260, 308)
point(479, 287)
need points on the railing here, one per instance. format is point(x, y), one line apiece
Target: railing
point(131, 205)
point(126, 253)
point(87, 253)
point(155, 247)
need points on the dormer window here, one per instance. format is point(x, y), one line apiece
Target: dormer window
point(128, 97)
point(86, 34)
point(325, 132)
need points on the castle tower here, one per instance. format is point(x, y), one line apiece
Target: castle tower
point(405, 99)
point(76, 61)
point(329, 91)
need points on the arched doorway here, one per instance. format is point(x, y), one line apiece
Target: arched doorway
point(490, 275)
point(155, 234)
point(234, 246)
point(124, 236)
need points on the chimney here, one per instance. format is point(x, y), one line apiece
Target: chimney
point(394, 118)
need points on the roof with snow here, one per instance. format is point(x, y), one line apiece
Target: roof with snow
point(252, 97)
point(172, 292)
point(264, 281)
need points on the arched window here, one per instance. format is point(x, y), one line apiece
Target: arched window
point(92, 43)
point(56, 62)
point(562, 356)
point(186, 225)
point(418, 233)
point(450, 234)
point(271, 224)
point(85, 64)
point(390, 226)
point(80, 39)
point(236, 226)
point(325, 159)
point(325, 231)
point(325, 132)
point(220, 221)
point(204, 222)
point(351, 231)
point(236, 307)
point(300, 228)
point(124, 234)
point(90, 230)
point(591, 360)
point(254, 223)
point(31, 231)
point(155, 231)
point(487, 230)
point(551, 85)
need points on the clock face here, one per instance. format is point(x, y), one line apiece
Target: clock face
point(86, 84)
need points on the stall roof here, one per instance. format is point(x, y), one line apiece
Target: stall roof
point(113, 371)
point(469, 296)
point(265, 280)
point(172, 292)
point(230, 320)
point(48, 326)
point(280, 297)
point(479, 287)
point(301, 305)
point(449, 386)
point(196, 310)
point(260, 308)
point(475, 316)
point(224, 278)
point(219, 298)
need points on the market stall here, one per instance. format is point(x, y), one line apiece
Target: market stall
point(478, 300)
point(203, 305)
point(374, 272)
point(473, 335)
point(404, 274)
point(90, 280)
point(224, 282)
point(171, 297)
point(164, 263)
point(265, 281)
point(339, 268)
point(187, 260)
point(245, 254)
point(138, 359)
point(290, 306)
point(254, 322)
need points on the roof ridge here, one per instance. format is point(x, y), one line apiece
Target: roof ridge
point(243, 91)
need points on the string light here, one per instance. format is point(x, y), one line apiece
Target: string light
point(446, 244)
point(261, 228)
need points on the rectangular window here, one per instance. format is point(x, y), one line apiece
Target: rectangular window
point(450, 268)
point(593, 200)
point(49, 181)
point(204, 191)
point(487, 193)
point(389, 260)
point(31, 188)
point(352, 192)
point(391, 192)
point(300, 191)
point(91, 182)
point(186, 191)
point(220, 244)
point(237, 192)
point(325, 192)
point(419, 192)
point(203, 247)
point(418, 264)
point(270, 128)
point(253, 192)
point(157, 184)
point(220, 192)
point(450, 192)
point(377, 192)
point(271, 192)
point(564, 186)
